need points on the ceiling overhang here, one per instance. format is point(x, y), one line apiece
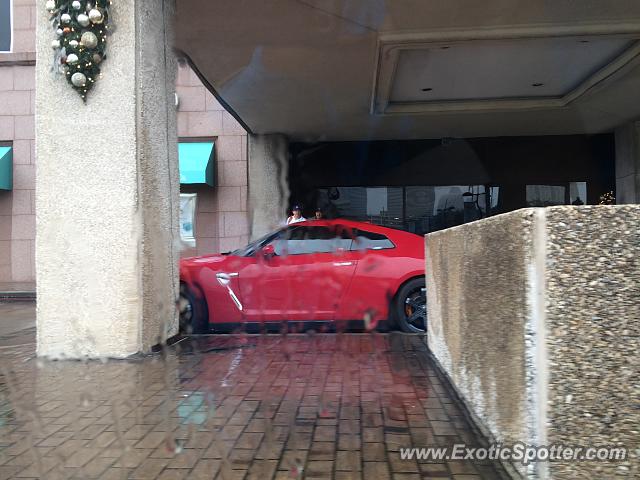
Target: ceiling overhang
point(321, 70)
point(617, 50)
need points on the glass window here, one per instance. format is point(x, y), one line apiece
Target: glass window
point(432, 208)
point(494, 196)
point(305, 240)
point(546, 195)
point(379, 205)
point(417, 209)
point(364, 240)
point(5, 25)
point(251, 248)
point(578, 193)
point(187, 218)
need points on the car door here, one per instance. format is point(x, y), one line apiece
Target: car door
point(305, 279)
point(320, 268)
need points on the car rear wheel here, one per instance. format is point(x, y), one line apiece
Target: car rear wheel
point(411, 307)
point(193, 312)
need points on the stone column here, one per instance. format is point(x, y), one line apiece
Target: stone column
point(107, 193)
point(268, 183)
point(536, 324)
point(628, 163)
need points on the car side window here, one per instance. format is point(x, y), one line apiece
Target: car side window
point(364, 240)
point(313, 239)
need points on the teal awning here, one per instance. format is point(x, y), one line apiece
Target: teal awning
point(6, 168)
point(197, 163)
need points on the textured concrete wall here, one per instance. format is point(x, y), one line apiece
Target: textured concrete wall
point(106, 196)
point(268, 190)
point(593, 341)
point(535, 316)
point(628, 163)
point(477, 310)
point(158, 169)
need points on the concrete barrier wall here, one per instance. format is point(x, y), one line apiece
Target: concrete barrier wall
point(535, 317)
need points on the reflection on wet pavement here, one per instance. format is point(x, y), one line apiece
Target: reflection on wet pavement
point(16, 316)
point(232, 407)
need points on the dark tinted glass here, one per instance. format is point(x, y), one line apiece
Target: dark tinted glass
point(305, 240)
point(364, 240)
point(5, 25)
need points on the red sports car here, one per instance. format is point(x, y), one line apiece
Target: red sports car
point(322, 270)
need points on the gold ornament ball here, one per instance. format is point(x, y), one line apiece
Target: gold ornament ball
point(72, 58)
point(73, 43)
point(50, 5)
point(89, 39)
point(65, 18)
point(78, 79)
point(76, 5)
point(55, 44)
point(96, 58)
point(95, 15)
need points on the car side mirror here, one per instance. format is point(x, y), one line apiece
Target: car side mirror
point(268, 251)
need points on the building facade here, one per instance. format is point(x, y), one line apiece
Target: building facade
point(217, 214)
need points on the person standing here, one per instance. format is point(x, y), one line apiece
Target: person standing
point(296, 215)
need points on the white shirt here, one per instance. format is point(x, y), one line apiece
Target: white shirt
point(293, 219)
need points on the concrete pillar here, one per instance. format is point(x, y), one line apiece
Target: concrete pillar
point(536, 324)
point(268, 187)
point(107, 193)
point(628, 163)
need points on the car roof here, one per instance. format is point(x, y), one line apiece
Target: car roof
point(371, 227)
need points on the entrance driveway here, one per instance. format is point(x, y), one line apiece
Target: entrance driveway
point(232, 407)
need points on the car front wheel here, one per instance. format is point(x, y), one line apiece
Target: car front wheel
point(411, 307)
point(193, 312)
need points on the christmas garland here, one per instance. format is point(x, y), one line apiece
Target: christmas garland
point(81, 28)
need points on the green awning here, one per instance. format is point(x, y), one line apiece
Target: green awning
point(6, 168)
point(197, 163)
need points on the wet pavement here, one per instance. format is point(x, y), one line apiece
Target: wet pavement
point(16, 316)
point(232, 407)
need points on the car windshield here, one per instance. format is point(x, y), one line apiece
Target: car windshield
point(254, 246)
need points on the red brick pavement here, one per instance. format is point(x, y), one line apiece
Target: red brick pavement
point(232, 407)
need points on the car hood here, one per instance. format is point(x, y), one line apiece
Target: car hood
point(192, 268)
point(211, 259)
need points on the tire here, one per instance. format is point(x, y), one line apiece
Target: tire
point(194, 316)
point(410, 307)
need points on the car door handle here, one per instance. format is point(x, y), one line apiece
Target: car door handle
point(342, 264)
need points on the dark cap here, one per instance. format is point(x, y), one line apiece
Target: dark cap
point(318, 209)
point(296, 207)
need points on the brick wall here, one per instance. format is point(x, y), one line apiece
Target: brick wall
point(17, 96)
point(221, 218)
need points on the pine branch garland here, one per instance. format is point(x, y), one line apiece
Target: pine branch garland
point(81, 28)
